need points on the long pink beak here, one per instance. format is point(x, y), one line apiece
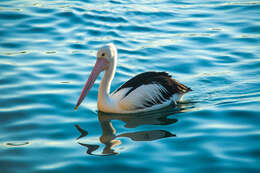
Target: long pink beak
point(101, 64)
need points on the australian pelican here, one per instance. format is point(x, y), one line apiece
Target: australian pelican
point(144, 92)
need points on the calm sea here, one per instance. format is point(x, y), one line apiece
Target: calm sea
point(47, 51)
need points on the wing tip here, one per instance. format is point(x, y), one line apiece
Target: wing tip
point(189, 89)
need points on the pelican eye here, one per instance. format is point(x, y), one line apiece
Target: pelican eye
point(103, 54)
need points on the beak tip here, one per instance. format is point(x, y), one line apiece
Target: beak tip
point(76, 107)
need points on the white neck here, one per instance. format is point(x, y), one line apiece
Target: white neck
point(104, 100)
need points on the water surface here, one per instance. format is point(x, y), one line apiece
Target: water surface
point(47, 51)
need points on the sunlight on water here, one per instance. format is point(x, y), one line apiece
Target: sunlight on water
point(48, 49)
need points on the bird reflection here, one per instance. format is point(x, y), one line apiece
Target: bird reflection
point(110, 139)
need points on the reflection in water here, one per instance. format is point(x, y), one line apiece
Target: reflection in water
point(82, 131)
point(147, 135)
point(110, 139)
point(90, 147)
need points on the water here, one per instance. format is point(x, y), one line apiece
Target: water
point(48, 48)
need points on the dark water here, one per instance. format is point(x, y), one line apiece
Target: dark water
point(48, 48)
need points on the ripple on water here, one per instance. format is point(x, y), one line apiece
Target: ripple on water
point(7, 15)
point(48, 49)
point(95, 16)
point(42, 21)
point(42, 10)
point(11, 45)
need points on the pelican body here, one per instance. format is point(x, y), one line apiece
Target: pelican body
point(145, 92)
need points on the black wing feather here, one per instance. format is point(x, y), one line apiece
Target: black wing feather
point(171, 85)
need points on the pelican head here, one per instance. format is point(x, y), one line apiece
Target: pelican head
point(107, 52)
point(106, 57)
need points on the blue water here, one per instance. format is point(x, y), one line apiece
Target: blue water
point(47, 51)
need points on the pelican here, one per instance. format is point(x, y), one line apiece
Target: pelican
point(147, 91)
